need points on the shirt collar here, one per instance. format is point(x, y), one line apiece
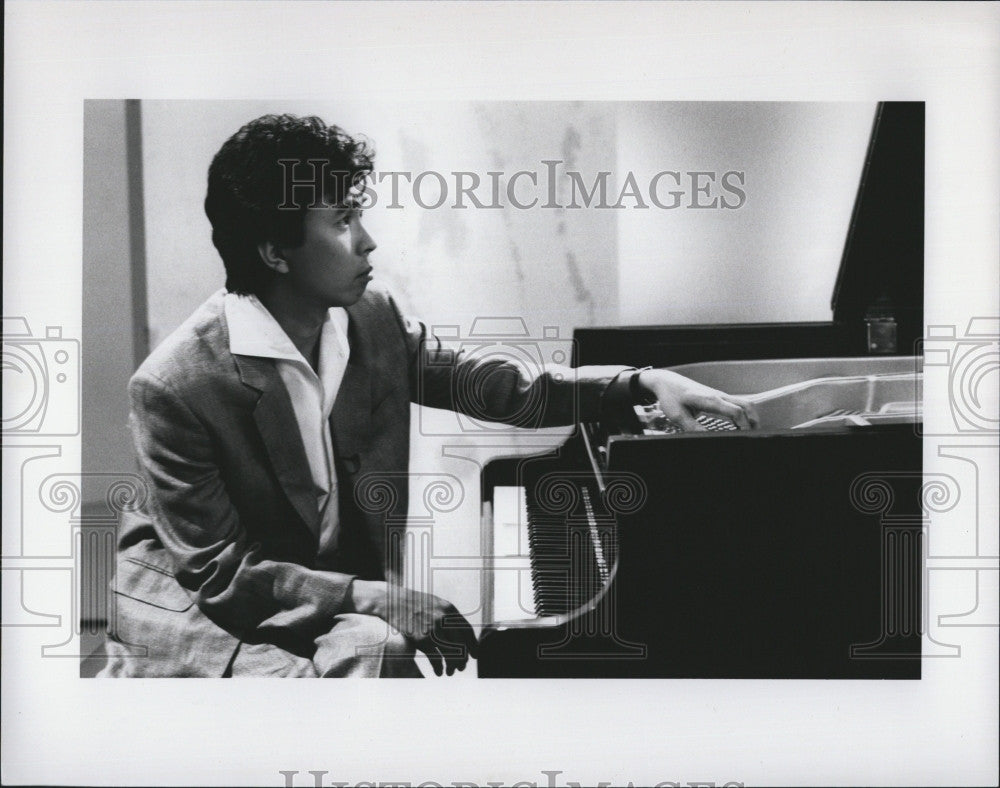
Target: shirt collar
point(253, 331)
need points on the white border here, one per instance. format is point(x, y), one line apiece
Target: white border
point(59, 729)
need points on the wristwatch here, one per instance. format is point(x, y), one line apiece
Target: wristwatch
point(639, 397)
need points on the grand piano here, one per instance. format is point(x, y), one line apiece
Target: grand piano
point(790, 551)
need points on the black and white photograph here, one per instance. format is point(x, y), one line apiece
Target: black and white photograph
point(259, 543)
point(638, 407)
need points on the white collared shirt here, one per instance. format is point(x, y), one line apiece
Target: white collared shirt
point(253, 331)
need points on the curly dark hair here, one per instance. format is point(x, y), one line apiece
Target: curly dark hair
point(250, 197)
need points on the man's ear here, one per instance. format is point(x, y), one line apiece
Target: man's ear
point(272, 257)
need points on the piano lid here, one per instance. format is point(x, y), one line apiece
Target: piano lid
point(877, 300)
point(882, 269)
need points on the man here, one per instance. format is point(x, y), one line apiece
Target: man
point(263, 421)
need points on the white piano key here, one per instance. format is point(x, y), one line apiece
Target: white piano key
point(512, 597)
point(510, 521)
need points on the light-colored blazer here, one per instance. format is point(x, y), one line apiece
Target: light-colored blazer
point(223, 550)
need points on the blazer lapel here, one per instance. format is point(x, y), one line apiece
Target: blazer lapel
point(352, 411)
point(351, 418)
point(276, 422)
point(350, 426)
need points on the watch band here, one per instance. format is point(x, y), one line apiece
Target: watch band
point(639, 397)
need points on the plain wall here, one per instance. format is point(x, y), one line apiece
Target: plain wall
point(446, 265)
point(775, 258)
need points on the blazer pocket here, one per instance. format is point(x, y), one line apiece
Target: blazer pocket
point(151, 585)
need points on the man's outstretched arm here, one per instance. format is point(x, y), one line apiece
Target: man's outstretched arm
point(553, 394)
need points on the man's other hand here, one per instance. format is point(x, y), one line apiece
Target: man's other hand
point(681, 400)
point(433, 624)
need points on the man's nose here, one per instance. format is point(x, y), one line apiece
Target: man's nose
point(366, 244)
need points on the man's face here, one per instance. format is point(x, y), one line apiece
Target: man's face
point(330, 266)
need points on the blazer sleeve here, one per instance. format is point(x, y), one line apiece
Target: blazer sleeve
point(231, 581)
point(511, 382)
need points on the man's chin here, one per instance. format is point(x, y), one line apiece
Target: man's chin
point(351, 298)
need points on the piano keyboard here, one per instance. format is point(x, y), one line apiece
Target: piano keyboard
point(546, 563)
point(654, 422)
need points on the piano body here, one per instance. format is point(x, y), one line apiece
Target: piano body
point(791, 551)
